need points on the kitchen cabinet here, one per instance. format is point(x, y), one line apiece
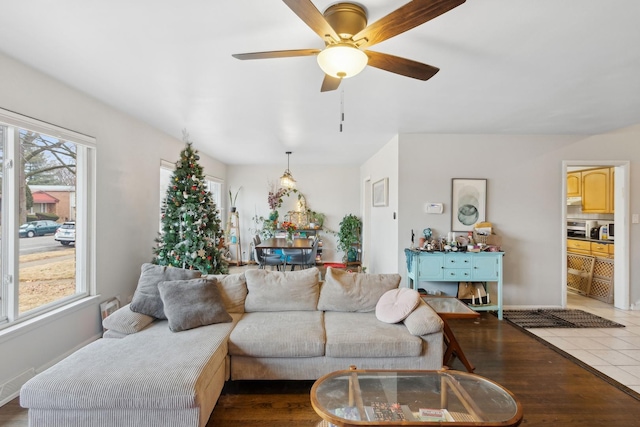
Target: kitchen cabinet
point(574, 184)
point(600, 249)
point(581, 247)
point(585, 247)
point(596, 191)
point(457, 267)
point(612, 189)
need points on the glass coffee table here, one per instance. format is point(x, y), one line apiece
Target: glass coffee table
point(413, 398)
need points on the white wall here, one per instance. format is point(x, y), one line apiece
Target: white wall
point(332, 190)
point(524, 197)
point(128, 161)
point(383, 246)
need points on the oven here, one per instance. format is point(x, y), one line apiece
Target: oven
point(577, 228)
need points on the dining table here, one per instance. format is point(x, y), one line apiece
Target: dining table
point(282, 243)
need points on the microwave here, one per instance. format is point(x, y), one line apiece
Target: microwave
point(611, 229)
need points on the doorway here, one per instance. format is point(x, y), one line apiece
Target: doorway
point(621, 287)
point(366, 221)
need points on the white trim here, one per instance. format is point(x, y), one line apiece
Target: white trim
point(28, 325)
point(14, 119)
point(622, 185)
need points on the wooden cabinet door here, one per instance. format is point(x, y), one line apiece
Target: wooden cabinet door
point(574, 184)
point(612, 189)
point(485, 268)
point(430, 267)
point(595, 191)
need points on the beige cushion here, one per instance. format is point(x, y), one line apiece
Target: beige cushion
point(423, 320)
point(361, 335)
point(344, 291)
point(124, 321)
point(146, 298)
point(190, 304)
point(278, 334)
point(396, 304)
point(233, 289)
point(282, 291)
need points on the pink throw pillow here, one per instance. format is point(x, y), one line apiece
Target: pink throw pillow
point(395, 305)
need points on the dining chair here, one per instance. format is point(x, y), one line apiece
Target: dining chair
point(264, 258)
point(304, 258)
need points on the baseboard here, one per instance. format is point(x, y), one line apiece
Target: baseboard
point(11, 389)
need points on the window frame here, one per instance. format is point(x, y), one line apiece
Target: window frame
point(85, 217)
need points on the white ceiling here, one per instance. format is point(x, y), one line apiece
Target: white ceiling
point(515, 67)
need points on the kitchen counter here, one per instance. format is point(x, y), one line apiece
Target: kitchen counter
point(585, 239)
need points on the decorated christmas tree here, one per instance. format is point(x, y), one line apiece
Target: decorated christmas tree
point(192, 236)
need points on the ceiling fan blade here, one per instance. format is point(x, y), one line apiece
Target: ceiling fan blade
point(330, 83)
point(402, 66)
point(312, 17)
point(277, 54)
point(409, 16)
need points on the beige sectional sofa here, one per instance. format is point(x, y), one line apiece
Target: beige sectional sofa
point(280, 325)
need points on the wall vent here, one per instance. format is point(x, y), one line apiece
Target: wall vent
point(11, 389)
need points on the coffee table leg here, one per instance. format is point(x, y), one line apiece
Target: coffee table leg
point(454, 349)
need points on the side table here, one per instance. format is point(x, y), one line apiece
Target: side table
point(452, 308)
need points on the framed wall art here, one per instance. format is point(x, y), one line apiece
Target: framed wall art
point(380, 192)
point(468, 203)
point(108, 307)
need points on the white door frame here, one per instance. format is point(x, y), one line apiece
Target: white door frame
point(366, 221)
point(621, 287)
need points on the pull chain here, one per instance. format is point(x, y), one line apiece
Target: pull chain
point(341, 108)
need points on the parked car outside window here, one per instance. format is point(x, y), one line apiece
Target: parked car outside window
point(38, 228)
point(66, 234)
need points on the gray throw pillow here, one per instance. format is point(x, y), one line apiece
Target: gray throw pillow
point(146, 298)
point(354, 292)
point(192, 303)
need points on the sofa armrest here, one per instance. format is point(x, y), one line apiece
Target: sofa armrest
point(423, 320)
point(125, 321)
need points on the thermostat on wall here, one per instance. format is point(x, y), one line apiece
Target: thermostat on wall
point(433, 208)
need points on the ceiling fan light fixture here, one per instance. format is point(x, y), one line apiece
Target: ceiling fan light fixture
point(342, 60)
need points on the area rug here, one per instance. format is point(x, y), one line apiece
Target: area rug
point(557, 319)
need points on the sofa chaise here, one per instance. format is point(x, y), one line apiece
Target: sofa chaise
point(258, 325)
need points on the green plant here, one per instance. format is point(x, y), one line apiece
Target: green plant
point(315, 217)
point(349, 233)
point(233, 197)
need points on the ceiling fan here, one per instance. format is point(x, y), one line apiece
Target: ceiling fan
point(343, 28)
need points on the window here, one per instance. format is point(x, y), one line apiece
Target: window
point(214, 185)
point(46, 174)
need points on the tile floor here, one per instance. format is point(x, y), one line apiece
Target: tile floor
point(613, 351)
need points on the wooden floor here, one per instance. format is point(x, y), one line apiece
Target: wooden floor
point(554, 390)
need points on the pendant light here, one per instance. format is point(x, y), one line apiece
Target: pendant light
point(286, 180)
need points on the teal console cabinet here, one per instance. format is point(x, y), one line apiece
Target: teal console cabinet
point(457, 267)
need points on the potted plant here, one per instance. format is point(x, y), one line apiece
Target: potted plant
point(315, 218)
point(349, 236)
point(233, 198)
